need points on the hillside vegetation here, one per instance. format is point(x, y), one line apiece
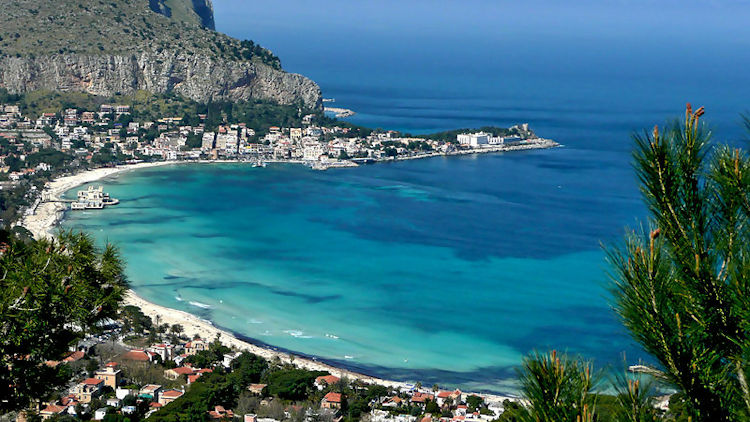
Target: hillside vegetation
point(99, 27)
point(192, 11)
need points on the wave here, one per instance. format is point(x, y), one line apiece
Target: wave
point(200, 305)
point(297, 334)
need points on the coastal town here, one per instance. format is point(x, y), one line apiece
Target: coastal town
point(94, 136)
point(138, 368)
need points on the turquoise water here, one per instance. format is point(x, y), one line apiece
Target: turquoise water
point(441, 270)
point(449, 269)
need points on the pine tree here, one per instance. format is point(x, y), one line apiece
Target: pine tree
point(51, 294)
point(682, 288)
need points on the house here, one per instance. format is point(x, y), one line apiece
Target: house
point(393, 402)
point(100, 413)
point(52, 410)
point(175, 373)
point(111, 375)
point(453, 396)
point(165, 351)
point(220, 413)
point(88, 389)
point(121, 393)
point(194, 377)
point(138, 355)
point(324, 381)
point(195, 346)
point(128, 410)
point(421, 398)
point(74, 356)
point(256, 389)
point(229, 357)
point(69, 400)
point(332, 401)
point(461, 410)
point(168, 396)
point(114, 402)
point(150, 391)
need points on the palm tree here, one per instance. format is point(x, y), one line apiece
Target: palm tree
point(682, 288)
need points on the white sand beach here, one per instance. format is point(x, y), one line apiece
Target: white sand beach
point(49, 214)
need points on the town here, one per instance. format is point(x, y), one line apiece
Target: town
point(135, 368)
point(73, 139)
point(111, 131)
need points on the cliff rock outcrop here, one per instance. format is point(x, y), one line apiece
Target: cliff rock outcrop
point(121, 46)
point(200, 78)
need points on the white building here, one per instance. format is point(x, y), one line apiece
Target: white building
point(207, 143)
point(312, 152)
point(473, 139)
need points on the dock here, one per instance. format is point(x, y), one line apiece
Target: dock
point(93, 198)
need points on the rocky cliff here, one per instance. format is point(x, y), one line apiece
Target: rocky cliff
point(201, 78)
point(121, 46)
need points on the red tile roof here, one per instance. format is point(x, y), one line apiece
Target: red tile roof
point(421, 397)
point(93, 381)
point(328, 379)
point(172, 393)
point(75, 356)
point(54, 408)
point(333, 397)
point(184, 370)
point(138, 355)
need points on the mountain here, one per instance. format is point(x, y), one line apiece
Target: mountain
point(106, 47)
point(194, 11)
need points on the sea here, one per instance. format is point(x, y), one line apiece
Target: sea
point(445, 270)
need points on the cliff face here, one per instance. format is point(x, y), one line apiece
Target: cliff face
point(106, 47)
point(201, 78)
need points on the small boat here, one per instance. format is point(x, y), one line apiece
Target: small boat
point(259, 164)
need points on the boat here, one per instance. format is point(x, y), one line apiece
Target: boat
point(259, 164)
point(93, 198)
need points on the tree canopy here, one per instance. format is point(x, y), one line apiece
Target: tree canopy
point(51, 293)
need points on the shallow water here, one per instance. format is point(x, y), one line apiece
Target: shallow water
point(444, 269)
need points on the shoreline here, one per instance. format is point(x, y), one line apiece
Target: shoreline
point(48, 215)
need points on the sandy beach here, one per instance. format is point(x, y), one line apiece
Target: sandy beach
point(49, 214)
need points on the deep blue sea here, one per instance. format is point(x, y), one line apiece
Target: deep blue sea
point(442, 270)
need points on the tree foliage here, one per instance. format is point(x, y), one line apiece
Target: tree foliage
point(51, 293)
point(558, 388)
point(683, 288)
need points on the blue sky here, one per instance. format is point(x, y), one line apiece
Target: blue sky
point(689, 21)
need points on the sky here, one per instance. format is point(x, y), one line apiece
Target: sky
point(694, 49)
point(300, 31)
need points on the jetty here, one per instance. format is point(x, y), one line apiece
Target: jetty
point(93, 198)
